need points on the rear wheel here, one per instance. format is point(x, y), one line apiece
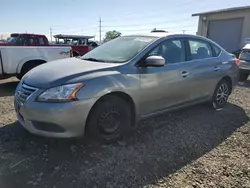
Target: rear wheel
point(221, 94)
point(109, 119)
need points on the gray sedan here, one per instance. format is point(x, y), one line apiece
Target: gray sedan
point(106, 91)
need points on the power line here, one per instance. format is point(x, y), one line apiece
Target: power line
point(156, 11)
point(205, 5)
point(173, 27)
point(148, 23)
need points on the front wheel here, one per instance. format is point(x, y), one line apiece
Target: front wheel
point(109, 119)
point(221, 94)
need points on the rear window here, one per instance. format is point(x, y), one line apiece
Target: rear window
point(245, 55)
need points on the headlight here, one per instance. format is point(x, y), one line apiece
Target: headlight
point(60, 93)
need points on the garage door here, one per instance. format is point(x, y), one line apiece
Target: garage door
point(226, 32)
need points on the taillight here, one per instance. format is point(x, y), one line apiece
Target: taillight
point(237, 62)
point(71, 53)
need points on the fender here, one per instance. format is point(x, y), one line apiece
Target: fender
point(23, 61)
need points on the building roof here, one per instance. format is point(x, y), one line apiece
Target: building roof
point(73, 36)
point(222, 10)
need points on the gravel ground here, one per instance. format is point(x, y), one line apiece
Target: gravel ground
point(192, 147)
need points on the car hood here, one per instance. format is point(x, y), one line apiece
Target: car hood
point(65, 71)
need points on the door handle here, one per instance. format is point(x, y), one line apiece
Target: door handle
point(184, 74)
point(216, 68)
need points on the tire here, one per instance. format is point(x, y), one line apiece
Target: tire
point(221, 94)
point(243, 77)
point(109, 119)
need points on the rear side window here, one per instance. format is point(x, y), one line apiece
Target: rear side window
point(199, 49)
point(217, 50)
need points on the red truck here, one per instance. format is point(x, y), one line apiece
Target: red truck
point(80, 45)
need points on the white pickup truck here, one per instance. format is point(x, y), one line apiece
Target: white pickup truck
point(22, 52)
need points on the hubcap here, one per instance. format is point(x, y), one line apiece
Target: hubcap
point(110, 121)
point(222, 94)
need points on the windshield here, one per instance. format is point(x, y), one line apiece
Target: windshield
point(12, 40)
point(120, 49)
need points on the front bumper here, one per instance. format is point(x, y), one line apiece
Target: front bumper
point(61, 120)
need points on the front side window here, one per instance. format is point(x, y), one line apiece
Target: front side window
point(120, 49)
point(172, 50)
point(199, 49)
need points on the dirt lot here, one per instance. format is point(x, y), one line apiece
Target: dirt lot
point(193, 147)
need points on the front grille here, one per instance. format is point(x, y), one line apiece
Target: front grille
point(24, 92)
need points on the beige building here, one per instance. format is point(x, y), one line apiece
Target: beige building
point(228, 27)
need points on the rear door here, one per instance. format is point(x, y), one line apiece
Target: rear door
point(205, 68)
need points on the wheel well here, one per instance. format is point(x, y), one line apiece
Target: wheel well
point(121, 95)
point(229, 80)
point(32, 64)
point(75, 53)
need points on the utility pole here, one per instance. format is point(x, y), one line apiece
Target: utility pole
point(100, 29)
point(183, 31)
point(50, 34)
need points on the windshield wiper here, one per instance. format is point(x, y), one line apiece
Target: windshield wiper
point(93, 59)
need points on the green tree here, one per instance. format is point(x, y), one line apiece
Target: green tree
point(112, 35)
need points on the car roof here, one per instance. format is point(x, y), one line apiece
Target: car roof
point(165, 34)
point(153, 34)
point(247, 46)
point(28, 34)
point(73, 36)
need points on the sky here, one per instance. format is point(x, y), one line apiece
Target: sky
point(127, 16)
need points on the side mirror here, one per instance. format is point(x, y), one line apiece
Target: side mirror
point(154, 61)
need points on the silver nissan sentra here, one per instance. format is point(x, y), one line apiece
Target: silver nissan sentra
point(105, 92)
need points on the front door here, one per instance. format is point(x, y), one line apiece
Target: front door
point(163, 87)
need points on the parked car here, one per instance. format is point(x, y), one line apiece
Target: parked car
point(244, 63)
point(24, 51)
point(105, 92)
